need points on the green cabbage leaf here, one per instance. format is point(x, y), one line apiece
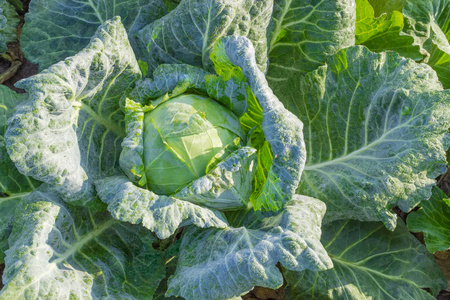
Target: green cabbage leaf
point(58, 251)
point(433, 219)
point(369, 262)
point(9, 20)
point(370, 120)
point(57, 29)
point(68, 133)
point(224, 263)
point(13, 185)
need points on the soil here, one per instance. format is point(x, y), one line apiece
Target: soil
point(26, 69)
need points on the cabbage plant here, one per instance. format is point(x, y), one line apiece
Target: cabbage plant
point(198, 149)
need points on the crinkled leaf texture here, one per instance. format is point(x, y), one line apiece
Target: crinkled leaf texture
point(13, 185)
point(282, 129)
point(234, 60)
point(166, 78)
point(370, 262)
point(9, 20)
point(383, 32)
point(433, 219)
point(163, 215)
point(69, 131)
point(427, 22)
point(58, 251)
point(188, 33)
point(375, 130)
point(224, 263)
point(56, 29)
point(302, 35)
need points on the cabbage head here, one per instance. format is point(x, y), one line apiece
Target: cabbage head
point(182, 137)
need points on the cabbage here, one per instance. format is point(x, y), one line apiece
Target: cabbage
point(181, 136)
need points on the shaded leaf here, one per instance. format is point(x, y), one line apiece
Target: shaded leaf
point(9, 20)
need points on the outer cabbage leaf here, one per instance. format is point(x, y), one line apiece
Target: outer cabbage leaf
point(13, 185)
point(370, 262)
point(56, 29)
point(9, 20)
point(375, 129)
point(161, 214)
point(428, 22)
point(433, 219)
point(61, 252)
point(282, 129)
point(384, 32)
point(166, 78)
point(69, 131)
point(224, 263)
point(188, 33)
point(303, 34)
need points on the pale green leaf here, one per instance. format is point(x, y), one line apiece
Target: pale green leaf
point(166, 78)
point(224, 263)
point(58, 251)
point(69, 131)
point(12, 182)
point(57, 29)
point(375, 130)
point(13, 185)
point(433, 219)
point(188, 33)
point(370, 262)
point(160, 214)
point(303, 33)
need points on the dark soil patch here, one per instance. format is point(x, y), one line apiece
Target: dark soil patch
point(13, 66)
point(27, 69)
